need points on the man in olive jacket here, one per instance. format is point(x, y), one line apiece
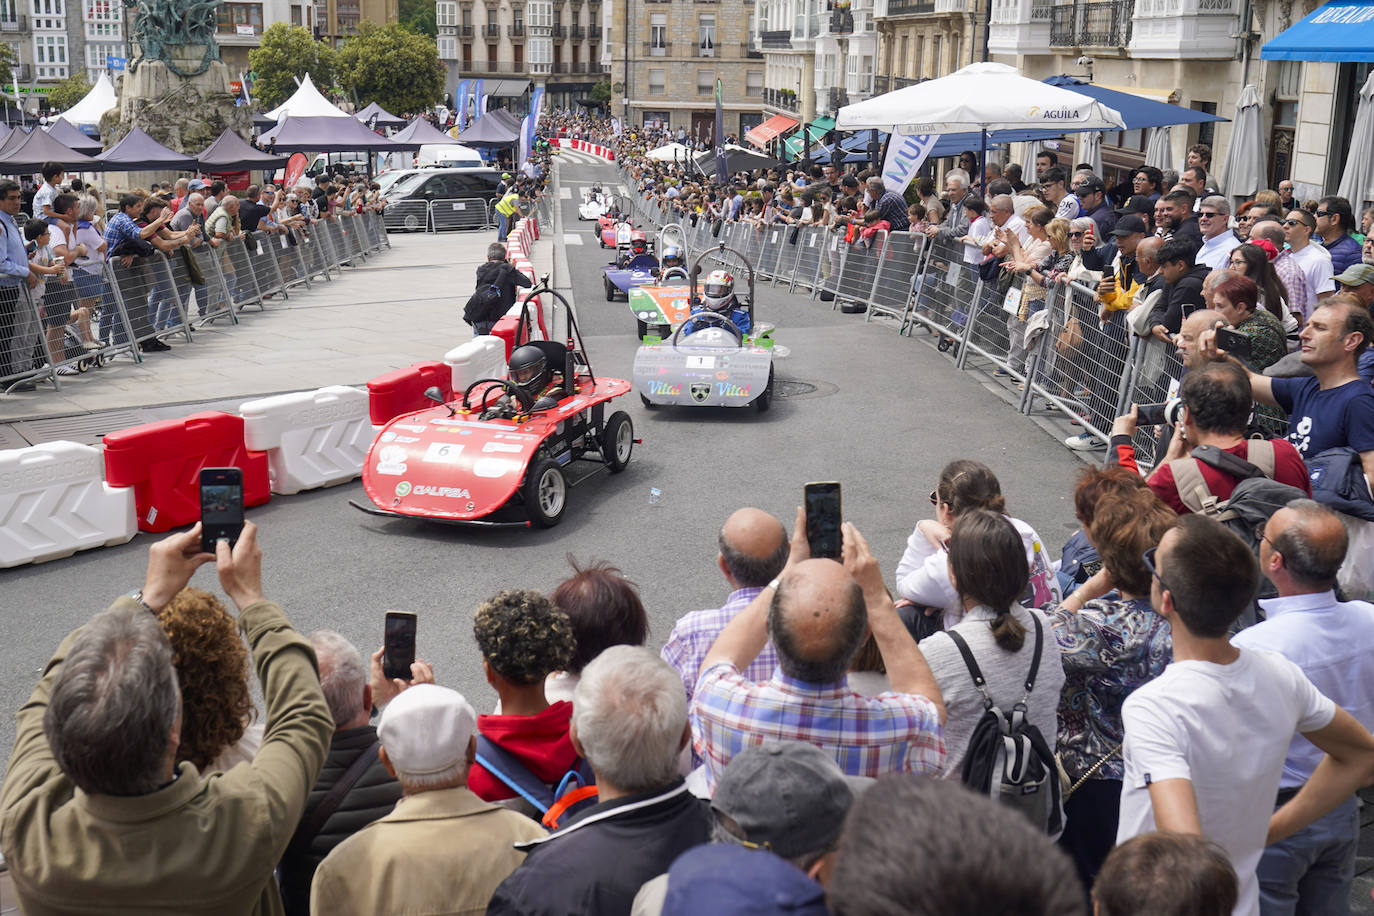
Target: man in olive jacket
point(95, 817)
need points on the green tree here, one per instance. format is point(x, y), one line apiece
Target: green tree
point(419, 16)
point(601, 91)
point(393, 66)
point(288, 52)
point(68, 92)
point(7, 63)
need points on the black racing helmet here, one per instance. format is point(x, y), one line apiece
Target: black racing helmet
point(529, 369)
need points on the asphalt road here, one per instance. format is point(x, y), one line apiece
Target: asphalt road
point(885, 414)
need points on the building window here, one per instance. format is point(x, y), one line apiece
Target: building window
point(935, 50)
point(104, 20)
point(492, 51)
point(656, 119)
point(957, 49)
point(518, 52)
point(657, 83)
point(706, 36)
point(753, 84)
point(97, 54)
point(658, 34)
point(448, 47)
point(445, 13)
point(467, 17)
point(706, 81)
point(50, 56)
point(239, 18)
point(49, 16)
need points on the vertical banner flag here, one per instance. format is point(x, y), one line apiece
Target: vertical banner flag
point(526, 129)
point(536, 109)
point(615, 126)
point(905, 155)
point(460, 102)
point(722, 170)
point(478, 93)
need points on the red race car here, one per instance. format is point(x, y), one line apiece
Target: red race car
point(500, 454)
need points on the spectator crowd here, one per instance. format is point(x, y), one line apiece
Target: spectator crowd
point(1172, 717)
point(60, 254)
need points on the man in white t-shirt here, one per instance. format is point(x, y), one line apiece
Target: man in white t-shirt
point(1314, 260)
point(1206, 740)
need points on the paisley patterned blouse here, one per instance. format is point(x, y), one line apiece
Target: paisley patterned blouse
point(1109, 648)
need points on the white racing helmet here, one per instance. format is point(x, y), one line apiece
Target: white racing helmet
point(718, 290)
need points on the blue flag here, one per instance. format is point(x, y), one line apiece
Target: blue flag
point(460, 102)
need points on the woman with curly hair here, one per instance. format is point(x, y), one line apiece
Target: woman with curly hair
point(523, 638)
point(212, 669)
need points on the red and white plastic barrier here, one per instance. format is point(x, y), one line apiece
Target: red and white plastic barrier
point(53, 503)
point(162, 463)
point(312, 438)
point(586, 146)
point(482, 357)
point(403, 390)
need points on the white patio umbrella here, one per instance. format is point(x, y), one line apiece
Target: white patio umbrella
point(982, 97)
point(1358, 174)
point(1090, 150)
point(1242, 172)
point(672, 152)
point(1159, 148)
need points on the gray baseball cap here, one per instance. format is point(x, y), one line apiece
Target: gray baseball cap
point(789, 796)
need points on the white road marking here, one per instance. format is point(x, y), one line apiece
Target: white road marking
point(570, 239)
point(565, 193)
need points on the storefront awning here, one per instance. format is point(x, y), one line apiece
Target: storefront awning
point(1338, 31)
point(796, 144)
point(778, 124)
point(506, 89)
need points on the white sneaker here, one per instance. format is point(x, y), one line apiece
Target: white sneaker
point(1083, 442)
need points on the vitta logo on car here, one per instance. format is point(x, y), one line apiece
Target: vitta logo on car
point(663, 388)
point(445, 492)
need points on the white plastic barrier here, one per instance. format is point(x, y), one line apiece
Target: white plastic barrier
point(312, 438)
point(54, 502)
point(481, 357)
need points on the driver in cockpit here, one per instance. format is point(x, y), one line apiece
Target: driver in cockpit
point(718, 295)
point(529, 370)
point(671, 267)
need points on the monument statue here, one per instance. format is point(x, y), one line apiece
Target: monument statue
point(160, 25)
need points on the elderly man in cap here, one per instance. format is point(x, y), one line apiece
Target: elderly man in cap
point(443, 850)
point(787, 798)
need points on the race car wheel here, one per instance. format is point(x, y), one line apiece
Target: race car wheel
point(617, 441)
point(546, 493)
point(648, 404)
point(610, 289)
point(765, 400)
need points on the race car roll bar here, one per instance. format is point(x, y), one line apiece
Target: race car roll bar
point(577, 350)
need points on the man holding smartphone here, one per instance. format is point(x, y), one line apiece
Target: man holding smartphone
point(105, 719)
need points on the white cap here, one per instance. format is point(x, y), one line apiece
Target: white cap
point(426, 729)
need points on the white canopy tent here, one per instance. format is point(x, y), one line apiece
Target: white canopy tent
point(99, 100)
point(306, 102)
point(673, 152)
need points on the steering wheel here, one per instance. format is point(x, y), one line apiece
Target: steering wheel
point(711, 318)
point(515, 392)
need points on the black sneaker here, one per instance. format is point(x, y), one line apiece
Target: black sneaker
point(153, 345)
point(854, 308)
point(827, 296)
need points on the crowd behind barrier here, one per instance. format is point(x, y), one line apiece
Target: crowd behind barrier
point(156, 296)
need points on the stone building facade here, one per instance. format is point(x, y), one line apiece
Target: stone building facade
point(336, 20)
point(667, 56)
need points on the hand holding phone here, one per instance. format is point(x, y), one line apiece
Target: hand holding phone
point(822, 502)
point(1234, 343)
point(221, 506)
point(399, 645)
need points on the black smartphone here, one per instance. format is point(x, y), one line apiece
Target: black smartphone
point(1234, 343)
point(822, 501)
point(400, 645)
point(221, 506)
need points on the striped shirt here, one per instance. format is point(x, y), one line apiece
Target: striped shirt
point(694, 633)
point(867, 736)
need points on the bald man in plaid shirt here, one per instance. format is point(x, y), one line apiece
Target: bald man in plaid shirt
point(817, 614)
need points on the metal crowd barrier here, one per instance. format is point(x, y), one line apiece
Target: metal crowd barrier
point(943, 291)
point(860, 271)
point(40, 339)
point(407, 216)
point(352, 237)
point(290, 259)
point(313, 253)
point(213, 301)
point(459, 213)
point(332, 240)
point(263, 261)
point(146, 291)
point(238, 275)
point(898, 264)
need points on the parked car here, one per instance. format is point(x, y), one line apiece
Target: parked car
point(455, 192)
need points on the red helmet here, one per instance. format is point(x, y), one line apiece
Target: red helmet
point(638, 246)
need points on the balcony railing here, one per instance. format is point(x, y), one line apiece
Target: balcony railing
point(748, 50)
point(579, 32)
point(778, 39)
point(910, 7)
point(560, 31)
point(841, 22)
point(500, 66)
point(1092, 24)
point(465, 32)
point(1041, 11)
point(491, 31)
point(516, 31)
point(653, 50)
point(19, 23)
point(780, 98)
